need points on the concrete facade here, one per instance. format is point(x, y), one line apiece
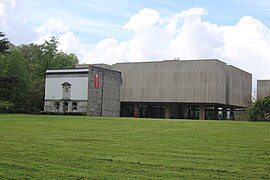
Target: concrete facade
point(263, 88)
point(200, 89)
point(91, 89)
point(239, 87)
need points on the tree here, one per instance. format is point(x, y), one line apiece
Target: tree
point(14, 80)
point(260, 110)
point(32, 54)
point(64, 60)
point(41, 58)
point(48, 54)
point(4, 44)
point(51, 58)
point(22, 74)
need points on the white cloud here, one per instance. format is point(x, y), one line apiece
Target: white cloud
point(52, 25)
point(115, 51)
point(7, 7)
point(145, 18)
point(2, 10)
point(195, 38)
point(68, 42)
point(13, 3)
point(42, 38)
point(12, 14)
point(2, 15)
point(247, 44)
point(194, 13)
point(186, 35)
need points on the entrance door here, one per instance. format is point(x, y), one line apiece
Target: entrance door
point(65, 106)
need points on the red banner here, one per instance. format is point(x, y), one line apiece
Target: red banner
point(96, 81)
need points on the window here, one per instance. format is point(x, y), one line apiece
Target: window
point(65, 107)
point(74, 106)
point(66, 90)
point(56, 106)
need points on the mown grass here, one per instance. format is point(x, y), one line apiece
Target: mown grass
point(63, 147)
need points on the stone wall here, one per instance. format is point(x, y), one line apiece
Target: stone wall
point(103, 92)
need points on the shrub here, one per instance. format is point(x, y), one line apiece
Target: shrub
point(6, 107)
point(260, 110)
point(65, 114)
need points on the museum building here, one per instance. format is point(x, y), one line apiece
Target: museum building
point(180, 89)
point(90, 89)
point(183, 89)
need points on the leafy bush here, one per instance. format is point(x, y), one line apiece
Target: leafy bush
point(66, 113)
point(6, 106)
point(260, 110)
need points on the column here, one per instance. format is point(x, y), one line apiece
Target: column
point(202, 113)
point(167, 112)
point(232, 116)
point(69, 106)
point(224, 113)
point(215, 113)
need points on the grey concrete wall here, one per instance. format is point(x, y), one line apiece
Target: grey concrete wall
point(239, 87)
point(104, 100)
point(199, 81)
point(191, 81)
point(263, 88)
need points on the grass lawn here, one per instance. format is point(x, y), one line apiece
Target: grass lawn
point(66, 147)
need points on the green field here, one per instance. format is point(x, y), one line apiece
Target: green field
point(65, 147)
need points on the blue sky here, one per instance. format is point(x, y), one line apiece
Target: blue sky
point(113, 14)
point(234, 31)
point(101, 19)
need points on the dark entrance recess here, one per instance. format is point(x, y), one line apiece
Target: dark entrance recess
point(65, 106)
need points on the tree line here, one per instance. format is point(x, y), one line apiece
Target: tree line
point(23, 71)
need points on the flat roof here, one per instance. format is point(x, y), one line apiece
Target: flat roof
point(183, 61)
point(68, 71)
point(170, 60)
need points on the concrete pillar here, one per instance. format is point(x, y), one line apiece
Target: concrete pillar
point(167, 112)
point(215, 113)
point(136, 110)
point(232, 116)
point(69, 106)
point(202, 113)
point(61, 106)
point(224, 113)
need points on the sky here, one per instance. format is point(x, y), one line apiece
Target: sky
point(109, 31)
